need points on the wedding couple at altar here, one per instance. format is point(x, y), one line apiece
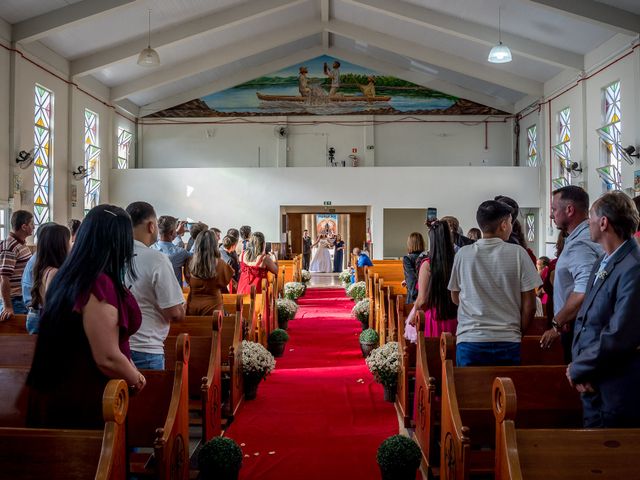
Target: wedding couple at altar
point(321, 261)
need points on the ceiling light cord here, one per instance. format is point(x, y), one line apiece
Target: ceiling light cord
point(149, 31)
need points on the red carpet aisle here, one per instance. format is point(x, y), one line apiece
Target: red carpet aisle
point(320, 411)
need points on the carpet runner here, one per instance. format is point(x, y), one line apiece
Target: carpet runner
point(319, 415)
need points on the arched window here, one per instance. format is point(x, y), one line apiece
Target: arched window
point(124, 148)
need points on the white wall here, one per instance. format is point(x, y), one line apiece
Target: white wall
point(229, 197)
point(175, 143)
point(5, 95)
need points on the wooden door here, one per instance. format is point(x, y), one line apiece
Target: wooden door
point(357, 231)
point(294, 225)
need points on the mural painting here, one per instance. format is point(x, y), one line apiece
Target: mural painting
point(326, 86)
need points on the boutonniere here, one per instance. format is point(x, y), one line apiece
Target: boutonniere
point(603, 274)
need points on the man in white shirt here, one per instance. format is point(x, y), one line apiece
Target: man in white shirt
point(155, 288)
point(493, 283)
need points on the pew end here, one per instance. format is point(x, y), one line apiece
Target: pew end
point(447, 347)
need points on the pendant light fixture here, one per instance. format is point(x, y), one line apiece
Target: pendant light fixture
point(149, 57)
point(499, 53)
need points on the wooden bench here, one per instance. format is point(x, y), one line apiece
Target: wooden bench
point(17, 324)
point(467, 424)
point(159, 419)
point(554, 454)
point(205, 373)
point(407, 360)
point(35, 453)
point(231, 359)
point(13, 401)
point(16, 350)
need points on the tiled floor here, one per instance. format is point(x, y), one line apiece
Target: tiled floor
point(325, 280)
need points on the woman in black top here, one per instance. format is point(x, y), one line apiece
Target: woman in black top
point(411, 264)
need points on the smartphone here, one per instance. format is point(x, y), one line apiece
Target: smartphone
point(432, 214)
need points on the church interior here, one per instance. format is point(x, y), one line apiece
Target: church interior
point(337, 129)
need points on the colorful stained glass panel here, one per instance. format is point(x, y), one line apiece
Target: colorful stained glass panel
point(610, 176)
point(42, 139)
point(559, 182)
point(91, 161)
point(532, 144)
point(531, 227)
point(124, 148)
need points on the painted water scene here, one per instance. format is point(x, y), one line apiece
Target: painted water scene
point(326, 86)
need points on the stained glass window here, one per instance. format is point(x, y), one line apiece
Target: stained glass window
point(610, 132)
point(559, 183)
point(610, 176)
point(124, 148)
point(42, 139)
point(91, 161)
point(531, 227)
point(3, 223)
point(562, 149)
point(532, 146)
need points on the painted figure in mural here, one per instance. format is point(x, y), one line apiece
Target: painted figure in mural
point(334, 75)
point(303, 82)
point(369, 90)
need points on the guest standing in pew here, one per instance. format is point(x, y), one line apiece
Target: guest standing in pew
point(74, 226)
point(230, 257)
point(606, 348)
point(517, 234)
point(474, 234)
point(459, 240)
point(14, 255)
point(255, 264)
point(411, 264)
point(440, 313)
point(306, 250)
point(88, 317)
point(209, 275)
point(178, 256)
point(54, 243)
point(570, 212)
point(155, 288)
point(27, 275)
point(493, 283)
point(245, 235)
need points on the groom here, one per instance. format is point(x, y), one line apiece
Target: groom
point(306, 250)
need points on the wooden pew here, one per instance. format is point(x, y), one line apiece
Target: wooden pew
point(205, 372)
point(159, 419)
point(231, 359)
point(554, 454)
point(248, 309)
point(467, 435)
point(407, 371)
point(34, 453)
point(16, 350)
point(13, 401)
point(17, 324)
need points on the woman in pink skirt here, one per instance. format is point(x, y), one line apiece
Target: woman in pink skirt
point(433, 278)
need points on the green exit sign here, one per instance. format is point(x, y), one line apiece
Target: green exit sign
point(327, 203)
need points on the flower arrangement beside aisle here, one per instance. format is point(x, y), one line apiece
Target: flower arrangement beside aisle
point(305, 276)
point(257, 363)
point(220, 458)
point(345, 278)
point(293, 290)
point(361, 311)
point(286, 309)
point(384, 364)
point(368, 341)
point(357, 291)
point(277, 341)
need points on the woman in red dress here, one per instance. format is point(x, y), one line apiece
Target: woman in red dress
point(255, 264)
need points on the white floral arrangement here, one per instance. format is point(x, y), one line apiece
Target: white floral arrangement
point(305, 276)
point(361, 310)
point(383, 363)
point(256, 360)
point(357, 291)
point(286, 308)
point(293, 290)
point(345, 277)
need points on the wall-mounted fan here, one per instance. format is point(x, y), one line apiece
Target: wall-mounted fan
point(563, 152)
point(610, 135)
point(281, 132)
point(25, 158)
point(80, 173)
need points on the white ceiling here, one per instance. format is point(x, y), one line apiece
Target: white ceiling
point(206, 44)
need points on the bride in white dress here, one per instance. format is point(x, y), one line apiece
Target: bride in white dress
point(321, 261)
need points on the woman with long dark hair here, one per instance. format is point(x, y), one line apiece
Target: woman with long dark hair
point(53, 247)
point(411, 263)
point(433, 278)
point(88, 316)
point(208, 275)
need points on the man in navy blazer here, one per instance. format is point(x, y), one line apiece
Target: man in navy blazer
point(606, 344)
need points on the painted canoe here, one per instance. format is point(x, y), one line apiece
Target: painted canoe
point(334, 98)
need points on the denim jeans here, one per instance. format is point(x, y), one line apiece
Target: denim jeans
point(148, 361)
point(19, 307)
point(487, 354)
point(33, 321)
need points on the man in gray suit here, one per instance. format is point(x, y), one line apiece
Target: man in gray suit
point(306, 250)
point(606, 346)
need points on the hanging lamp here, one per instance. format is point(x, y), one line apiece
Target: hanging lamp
point(499, 53)
point(149, 57)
